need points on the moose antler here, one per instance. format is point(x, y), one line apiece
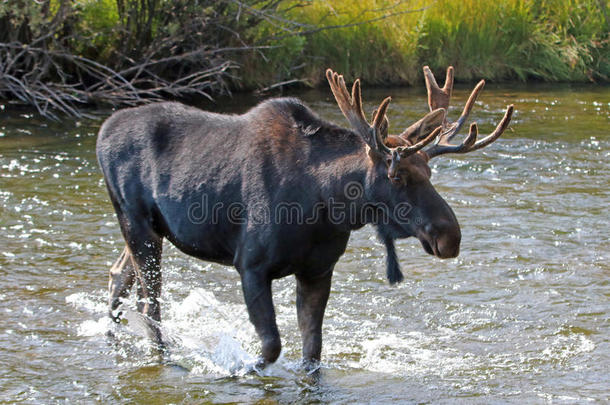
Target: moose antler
point(351, 107)
point(440, 97)
point(374, 134)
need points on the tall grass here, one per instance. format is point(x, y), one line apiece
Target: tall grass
point(549, 40)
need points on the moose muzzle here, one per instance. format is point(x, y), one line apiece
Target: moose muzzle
point(441, 239)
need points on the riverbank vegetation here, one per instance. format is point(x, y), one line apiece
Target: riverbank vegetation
point(59, 55)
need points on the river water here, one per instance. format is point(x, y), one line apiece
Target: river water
point(523, 315)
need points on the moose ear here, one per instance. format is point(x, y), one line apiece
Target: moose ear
point(424, 127)
point(304, 121)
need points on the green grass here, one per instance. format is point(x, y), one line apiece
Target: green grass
point(548, 40)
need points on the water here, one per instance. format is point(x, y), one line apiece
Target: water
point(521, 316)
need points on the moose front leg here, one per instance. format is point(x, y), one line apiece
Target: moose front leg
point(312, 296)
point(257, 294)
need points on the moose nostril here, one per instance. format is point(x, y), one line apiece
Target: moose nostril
point(449, 242)
point(448, 248)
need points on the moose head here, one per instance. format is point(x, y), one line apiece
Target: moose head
point(399, 164)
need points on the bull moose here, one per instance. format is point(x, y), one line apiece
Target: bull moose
point(161, 160)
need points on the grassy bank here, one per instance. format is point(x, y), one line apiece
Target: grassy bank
point(549, 40)
point(59, 54)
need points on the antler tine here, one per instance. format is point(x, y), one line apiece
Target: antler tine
point(424, 126)
point(500, 128)
point(405, 151)
point(429, 120)
point(438, 97)
point(448, 87)
point(351, 107)
point(454, 128)
point(470, 143)
point(384, 126)
point(381, 124)
point(356, 96)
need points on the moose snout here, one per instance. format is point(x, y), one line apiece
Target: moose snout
point(441, 239)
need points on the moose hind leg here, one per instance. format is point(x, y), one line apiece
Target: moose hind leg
point(145, 248)
point(122, 276)
point(147, 262)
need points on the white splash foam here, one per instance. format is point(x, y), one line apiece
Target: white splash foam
point(88, 302)
point(94, 328)
point(231, 356)
point(211, 334)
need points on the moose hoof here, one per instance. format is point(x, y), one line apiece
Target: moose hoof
point(311, 366)
point(271, 350)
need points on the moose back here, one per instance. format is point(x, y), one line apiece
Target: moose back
point(274, 192)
